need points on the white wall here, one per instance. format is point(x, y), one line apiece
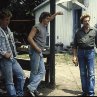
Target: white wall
point(64, 26)
point(92, 10)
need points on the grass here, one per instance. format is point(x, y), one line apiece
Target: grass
point(63, 58)
point(59, 58)
point(24, 56)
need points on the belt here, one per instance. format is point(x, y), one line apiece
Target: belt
point(86, 48)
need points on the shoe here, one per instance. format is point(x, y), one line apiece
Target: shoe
point(36, 93)
point(29, 93)
point(89, 94)
point(32, 94)
point(83, 94)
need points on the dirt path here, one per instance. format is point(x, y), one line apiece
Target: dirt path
point(67, 81)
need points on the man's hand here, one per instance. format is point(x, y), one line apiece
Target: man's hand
point(75, 60)
point(7, 55)
point(59, 13)
point(38, 50)
point(55, 14)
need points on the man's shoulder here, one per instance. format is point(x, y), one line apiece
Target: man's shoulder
point(37, 25)
point(1, 31)
point(93, 28)
point(78, 30)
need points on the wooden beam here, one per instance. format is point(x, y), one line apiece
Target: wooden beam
point(22, 20)
point(52, 45)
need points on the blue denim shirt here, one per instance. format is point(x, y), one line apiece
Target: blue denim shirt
point(5, 43)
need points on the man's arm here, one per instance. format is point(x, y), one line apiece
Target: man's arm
point(31, 41)
point(53, 16)
point(2, 52)
point(75, 60)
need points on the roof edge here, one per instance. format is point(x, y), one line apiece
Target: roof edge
point(42, 4)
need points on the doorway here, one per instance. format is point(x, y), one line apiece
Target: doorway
point(76, 20)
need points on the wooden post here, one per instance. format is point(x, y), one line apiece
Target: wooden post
point(52, 45)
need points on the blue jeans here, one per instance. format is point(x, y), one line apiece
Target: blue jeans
point(87, 72)
point(9, 68)
point(37, 69)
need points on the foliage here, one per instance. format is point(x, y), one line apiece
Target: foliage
point(64, 58)
point(59, 58)
point(4, 3)
point(21, 8)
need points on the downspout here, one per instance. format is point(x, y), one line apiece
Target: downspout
point(86, 3)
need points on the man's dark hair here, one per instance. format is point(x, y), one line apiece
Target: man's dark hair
point(5, 13)
point(43, 16)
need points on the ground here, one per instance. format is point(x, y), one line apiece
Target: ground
point(67, 78)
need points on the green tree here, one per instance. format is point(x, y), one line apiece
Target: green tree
point(21, 8)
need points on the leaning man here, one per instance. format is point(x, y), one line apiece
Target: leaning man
point(8, 63)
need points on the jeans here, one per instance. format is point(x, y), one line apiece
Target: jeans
point(87, 72)
point(37, 70)
point(9, 68)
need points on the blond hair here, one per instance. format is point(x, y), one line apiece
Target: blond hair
point(5, 13)
point(83, 17)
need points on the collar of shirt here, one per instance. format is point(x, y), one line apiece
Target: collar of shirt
point(82, 29)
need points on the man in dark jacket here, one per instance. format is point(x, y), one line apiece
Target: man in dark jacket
point(83, 52)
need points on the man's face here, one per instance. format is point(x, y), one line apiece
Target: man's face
point(5, 22)
point(46, 20)
point(86, 22)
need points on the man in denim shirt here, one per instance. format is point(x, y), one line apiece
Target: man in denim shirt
point(9, 64)
point(83, 52)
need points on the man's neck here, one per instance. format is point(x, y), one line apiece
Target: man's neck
point(86, 29)
point(3, 27)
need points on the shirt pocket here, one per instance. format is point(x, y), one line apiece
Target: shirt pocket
point(11, 38)
point(91, 36)
point(2, 40)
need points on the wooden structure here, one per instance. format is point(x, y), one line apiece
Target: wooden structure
point(52, 45)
